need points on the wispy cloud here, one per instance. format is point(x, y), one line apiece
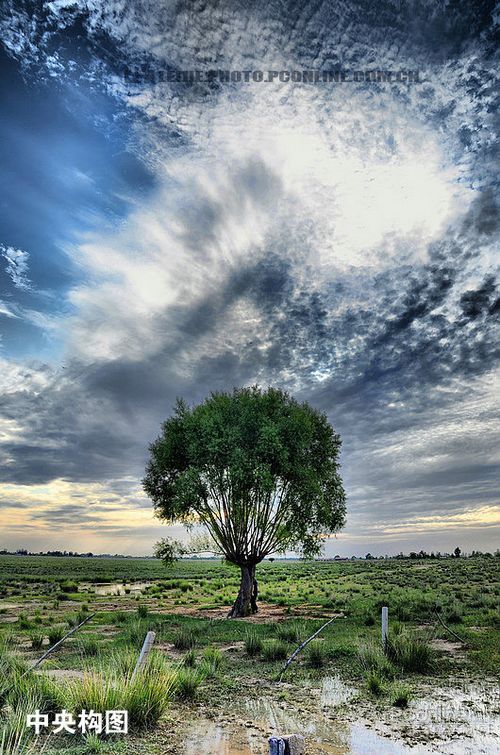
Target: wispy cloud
point(17, 266)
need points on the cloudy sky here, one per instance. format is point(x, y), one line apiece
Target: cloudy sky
point(162, 239)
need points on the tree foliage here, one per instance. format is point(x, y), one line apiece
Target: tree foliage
point(257, 468)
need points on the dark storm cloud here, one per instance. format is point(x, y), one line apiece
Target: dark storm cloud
point(399, 355)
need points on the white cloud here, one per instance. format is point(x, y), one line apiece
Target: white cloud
point(17, 266)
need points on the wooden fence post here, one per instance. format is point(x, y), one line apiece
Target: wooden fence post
point(385, 625)
point(146, 649)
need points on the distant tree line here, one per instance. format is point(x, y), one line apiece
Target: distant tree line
point(65, 554)
point(412, 555)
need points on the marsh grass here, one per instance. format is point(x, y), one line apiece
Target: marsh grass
point(316, 654)
point(15, 737)
point(292, 631)
point(49, 695)
point(411, 652)
point(189, 659)
point(146, 696)
point(374, 683)
point(253, 643)
point(372, 658)
point(211, 662)
point(88, 646)
point(36, 640)
point(185, 639)
point(274, 650)
point(400, 695)
point(55, 634)
point(187, 681)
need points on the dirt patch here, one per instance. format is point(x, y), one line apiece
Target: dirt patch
point(59, 673)
point(455, 649)
point(268, 612)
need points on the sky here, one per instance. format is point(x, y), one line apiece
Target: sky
point(161, 238)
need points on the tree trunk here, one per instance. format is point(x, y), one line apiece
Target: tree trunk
point(246, 602)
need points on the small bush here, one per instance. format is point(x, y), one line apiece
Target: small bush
point(253, 643)
point(142, 611)
point(274, 650)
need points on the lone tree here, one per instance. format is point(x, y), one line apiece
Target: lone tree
point(258, 469)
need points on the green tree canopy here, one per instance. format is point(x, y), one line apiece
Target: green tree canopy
point(258, 469)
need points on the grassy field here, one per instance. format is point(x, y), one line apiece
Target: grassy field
point(203, 659)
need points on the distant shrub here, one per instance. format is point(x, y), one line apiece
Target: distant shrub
point(142, 611)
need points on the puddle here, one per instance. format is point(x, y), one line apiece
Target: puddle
point(363, 741)
point(335, 692)
point(447, 720)
point(116, 588)
point(460, 720)
point(211, 738)
point(229, 738)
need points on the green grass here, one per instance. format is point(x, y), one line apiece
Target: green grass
point(411, 652)
point(185, 639)
point(274, 650)
point(400, 695)
point(187, 682)
point(316, 655)
point(253, 643)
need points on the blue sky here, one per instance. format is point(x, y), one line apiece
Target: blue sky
point(160, 240)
